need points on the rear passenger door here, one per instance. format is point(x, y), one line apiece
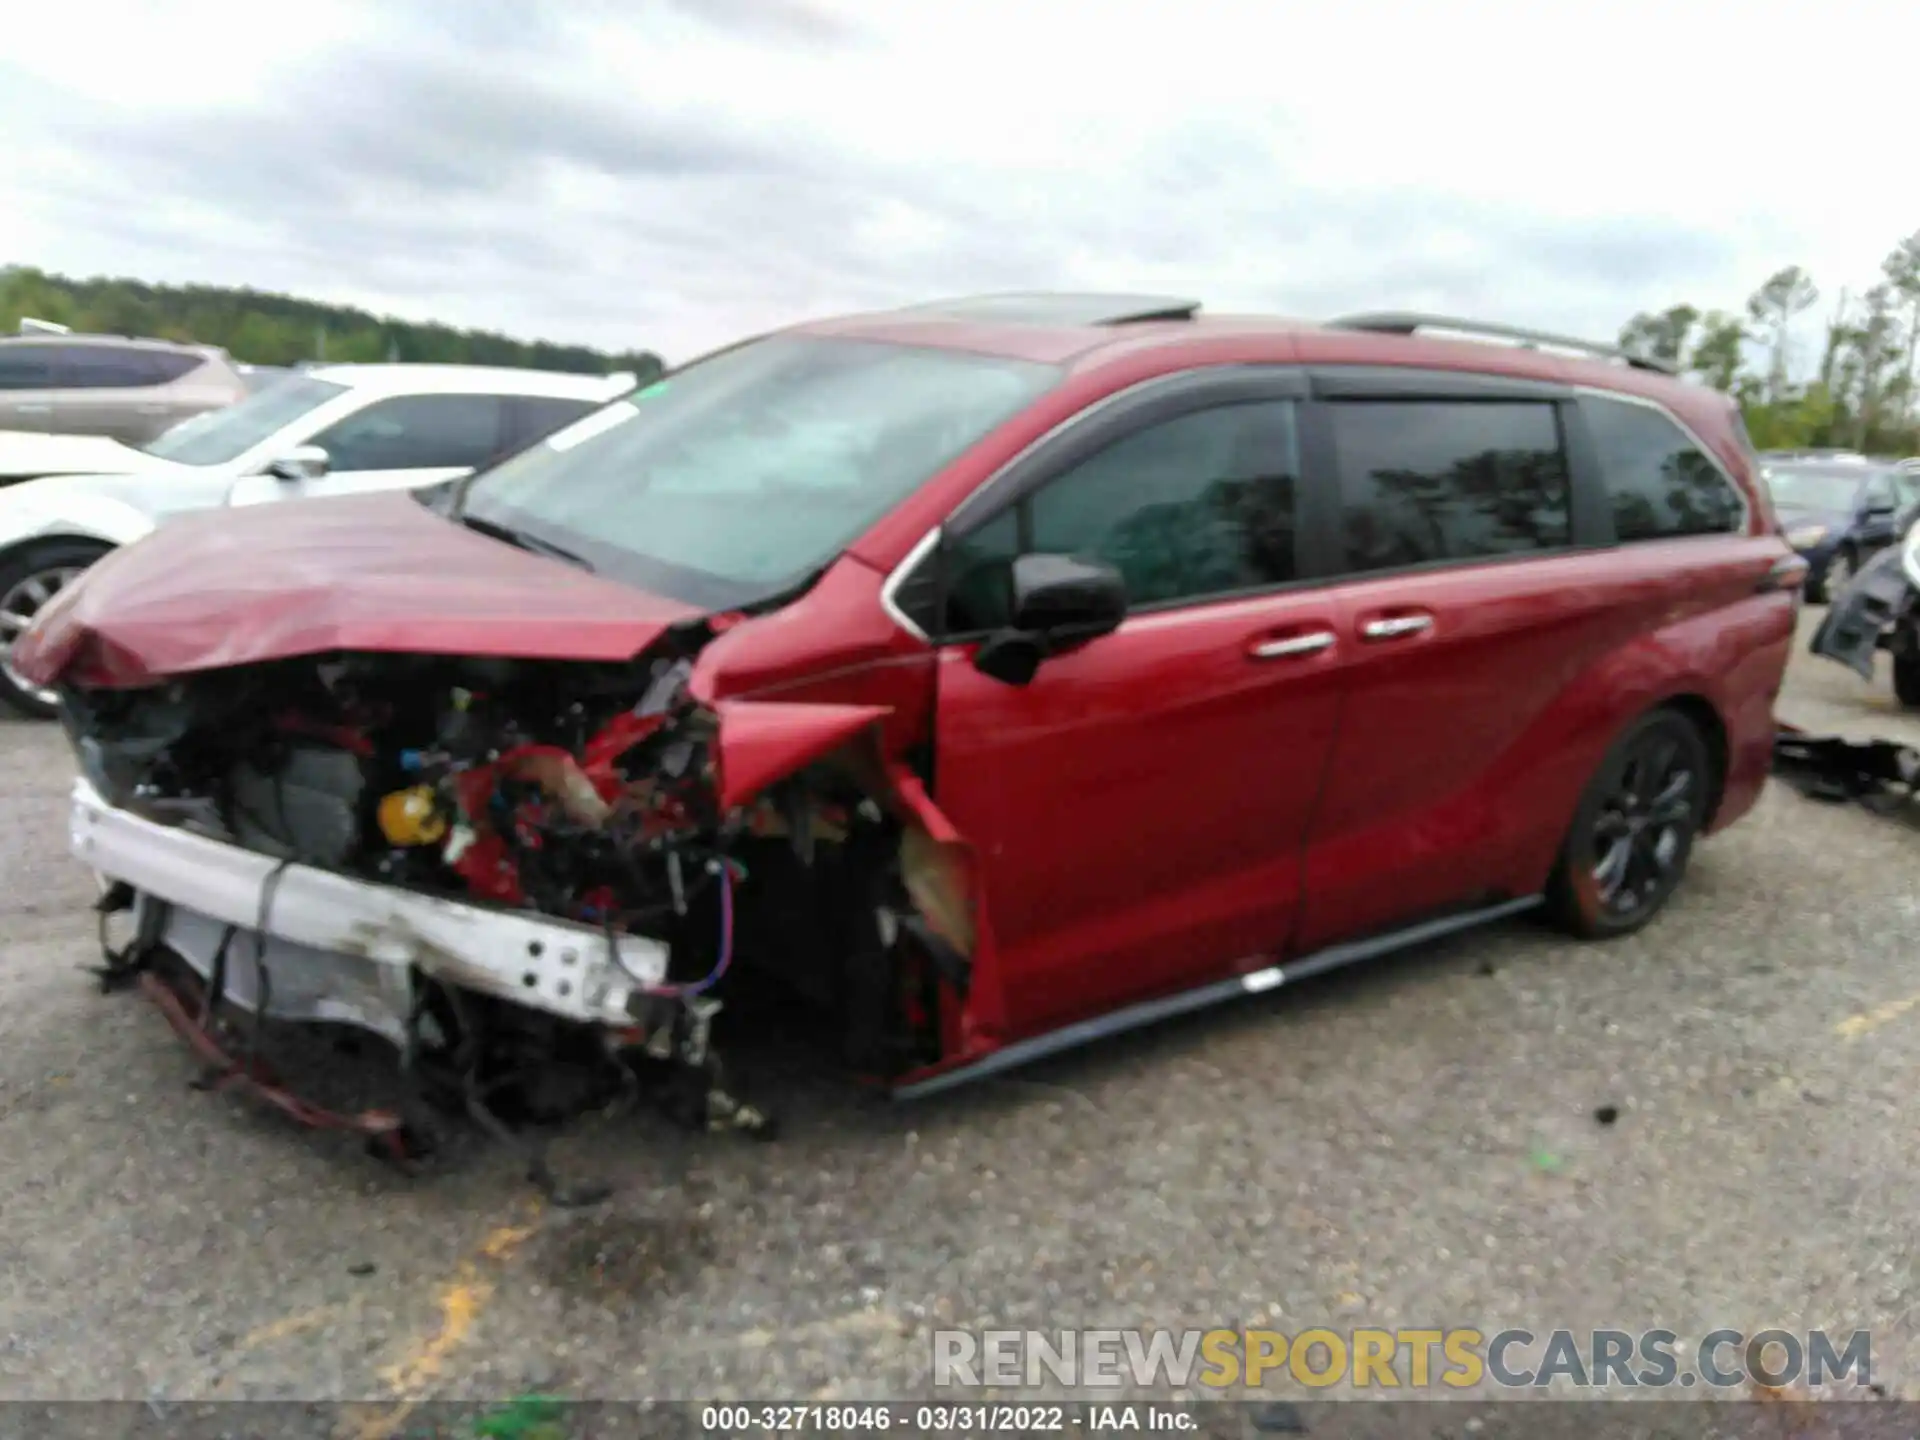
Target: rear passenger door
point(1463, 579)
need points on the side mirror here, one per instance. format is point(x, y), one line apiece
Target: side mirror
point(1878, 510)
point(302, 462)
point(1059, 602)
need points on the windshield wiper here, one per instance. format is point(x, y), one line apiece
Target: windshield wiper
point(525, 541)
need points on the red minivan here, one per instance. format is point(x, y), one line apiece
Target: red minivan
point(972, 679)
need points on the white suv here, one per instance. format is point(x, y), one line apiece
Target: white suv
point(330, 429)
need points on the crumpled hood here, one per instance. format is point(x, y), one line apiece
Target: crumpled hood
point(25, 452)
point(376, 572)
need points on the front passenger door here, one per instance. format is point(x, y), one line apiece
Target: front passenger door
point(1139, 808)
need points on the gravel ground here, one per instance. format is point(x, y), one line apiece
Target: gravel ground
point(1409, 1143)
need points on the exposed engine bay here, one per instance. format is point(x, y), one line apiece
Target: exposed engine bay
point(585, 797)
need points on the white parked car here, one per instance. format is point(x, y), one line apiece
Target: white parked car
point(326, 430)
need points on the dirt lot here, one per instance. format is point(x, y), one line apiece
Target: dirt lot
point(1413, 1142)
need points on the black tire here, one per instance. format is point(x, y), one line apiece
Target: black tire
point(1633, 831)
point(45, 561)
point(1906, 677)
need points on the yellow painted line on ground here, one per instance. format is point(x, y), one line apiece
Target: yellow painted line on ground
point(1867, 1021)
point(288, 1325)
point(463, 1300)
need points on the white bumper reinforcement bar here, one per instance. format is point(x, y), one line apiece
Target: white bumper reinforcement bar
point(550, 965)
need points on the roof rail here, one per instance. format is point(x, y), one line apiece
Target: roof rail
point(1408, 322)
point(1059, 308)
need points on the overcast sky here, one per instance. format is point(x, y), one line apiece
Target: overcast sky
point(674, 175)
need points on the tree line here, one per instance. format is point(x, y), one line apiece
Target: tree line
point(1861, 395)
point(266, 329)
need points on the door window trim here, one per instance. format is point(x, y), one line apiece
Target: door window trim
point(1087, 432)
point(1320, 542)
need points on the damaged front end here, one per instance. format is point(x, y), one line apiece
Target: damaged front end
point(538, 880)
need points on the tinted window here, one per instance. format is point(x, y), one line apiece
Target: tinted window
point(416, 432)
point(168, 365)
point(26, 367)
point(534, 417)
point(1431, 480)
point(1660, 482)
point(1197, 506)
point(102, 367)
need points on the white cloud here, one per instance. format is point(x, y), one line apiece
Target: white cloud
point(673, 175)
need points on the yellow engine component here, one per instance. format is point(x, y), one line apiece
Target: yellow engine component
point(412, 817)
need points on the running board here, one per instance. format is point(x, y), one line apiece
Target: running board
point(1148, 1012)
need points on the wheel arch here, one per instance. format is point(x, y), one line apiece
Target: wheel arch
point(1706, 718)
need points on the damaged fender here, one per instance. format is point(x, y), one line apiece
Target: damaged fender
point(761, 743)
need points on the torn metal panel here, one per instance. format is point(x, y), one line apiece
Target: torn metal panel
point(1860, 618)
point(761, 742)
point(1880, 774)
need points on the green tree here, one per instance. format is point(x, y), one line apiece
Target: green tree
point(1720, 350)
point(267, 329)
point(1902, 269)
point(1787, 293)
point(1661, 336)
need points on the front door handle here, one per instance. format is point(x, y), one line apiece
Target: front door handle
point(1392, 627)
point(1309, 644)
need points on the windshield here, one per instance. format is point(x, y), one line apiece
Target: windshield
point(1801, 488)
point(217, 436)
point(744, 474)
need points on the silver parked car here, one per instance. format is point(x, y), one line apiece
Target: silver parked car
point(110, 385)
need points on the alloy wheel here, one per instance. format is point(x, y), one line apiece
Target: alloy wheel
point(27, 598)
point(1645, 825)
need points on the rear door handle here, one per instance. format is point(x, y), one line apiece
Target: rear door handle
point(1392, 627)
point(1309, 644)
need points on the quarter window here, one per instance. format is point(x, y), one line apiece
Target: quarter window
point(1429, 480)
point(1660, 483)
point(1198, 506)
